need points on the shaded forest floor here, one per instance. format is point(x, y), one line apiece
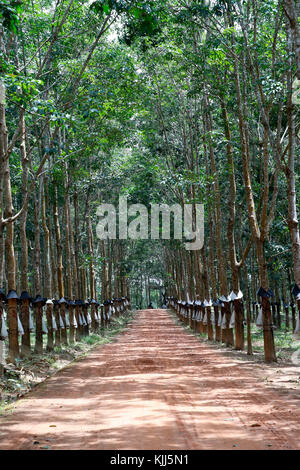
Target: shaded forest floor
point(19, 379)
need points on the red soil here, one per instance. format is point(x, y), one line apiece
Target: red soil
point(155, 387)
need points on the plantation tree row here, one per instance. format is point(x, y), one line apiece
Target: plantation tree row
point(164, 102)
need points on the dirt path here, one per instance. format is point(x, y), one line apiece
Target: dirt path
point(155, 387)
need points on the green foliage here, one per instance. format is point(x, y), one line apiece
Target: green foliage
point(10, 11)
point(133, 124)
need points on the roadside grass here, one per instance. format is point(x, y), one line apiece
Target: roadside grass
point(285, 342)
point(21, 377)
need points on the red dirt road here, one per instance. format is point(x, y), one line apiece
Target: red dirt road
point(154, 387)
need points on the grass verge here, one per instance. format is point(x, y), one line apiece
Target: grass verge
point(285, 342)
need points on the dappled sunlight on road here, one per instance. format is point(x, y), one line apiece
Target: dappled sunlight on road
point(155, 387)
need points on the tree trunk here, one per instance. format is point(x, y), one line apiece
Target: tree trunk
point(58, 249)
point(290, 8)
point(38, 328)
point(24, 316)
point(13, 352)
point(23, 217)
point(290, 168)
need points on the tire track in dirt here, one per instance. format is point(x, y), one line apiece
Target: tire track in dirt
point(155, 387)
